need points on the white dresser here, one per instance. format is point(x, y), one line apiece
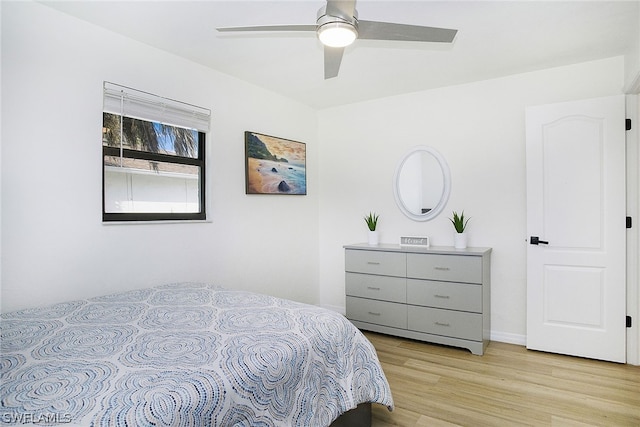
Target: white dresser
point(436, 294)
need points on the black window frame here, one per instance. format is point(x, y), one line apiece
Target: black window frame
point(198, 161)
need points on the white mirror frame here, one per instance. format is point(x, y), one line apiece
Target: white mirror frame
point(446, 179)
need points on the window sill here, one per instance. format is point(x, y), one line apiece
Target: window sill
point(168, 221)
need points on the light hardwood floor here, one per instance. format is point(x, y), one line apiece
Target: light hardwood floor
point(509, 386)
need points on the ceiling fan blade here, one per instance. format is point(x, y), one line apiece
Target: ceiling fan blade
point(332, 60)
point(341, 8)
point(270, 28)
point(374, 30)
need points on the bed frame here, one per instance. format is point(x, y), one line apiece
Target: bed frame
point(358, 417)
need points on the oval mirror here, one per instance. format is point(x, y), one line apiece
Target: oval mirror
point(422, 183)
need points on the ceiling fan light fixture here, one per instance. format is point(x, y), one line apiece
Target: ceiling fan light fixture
point(337, 34)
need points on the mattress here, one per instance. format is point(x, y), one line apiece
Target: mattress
point(187, 354)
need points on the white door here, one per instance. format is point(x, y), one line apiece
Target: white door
point(576, 209)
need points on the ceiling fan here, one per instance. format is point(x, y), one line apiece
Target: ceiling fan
point(338, 26)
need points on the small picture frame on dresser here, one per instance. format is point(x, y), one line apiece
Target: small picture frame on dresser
point(422, 242)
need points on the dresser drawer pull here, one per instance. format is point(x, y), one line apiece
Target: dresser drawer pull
point(442, 324)
point(373, 288)
point(373, 263)
point(373, 313)
point(442, 268)
point(441, 296)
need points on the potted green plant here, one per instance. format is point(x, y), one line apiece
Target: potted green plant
point(372, 224)
point(460, 225)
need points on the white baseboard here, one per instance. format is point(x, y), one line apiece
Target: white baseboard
point(508, 338)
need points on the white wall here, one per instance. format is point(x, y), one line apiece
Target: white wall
point(480, 130)
point(632, 62)
point(54, 246)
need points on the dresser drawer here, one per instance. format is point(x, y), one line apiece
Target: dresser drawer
point(455, 296)
point(378, 312)
point(377, 287)
point(449, 323)
point(376, 262)
point(451, 268)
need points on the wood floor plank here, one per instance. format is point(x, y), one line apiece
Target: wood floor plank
point(435, 385)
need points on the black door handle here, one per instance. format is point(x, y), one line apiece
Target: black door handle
point(535, 240)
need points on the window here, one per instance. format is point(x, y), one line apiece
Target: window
point(153, 153)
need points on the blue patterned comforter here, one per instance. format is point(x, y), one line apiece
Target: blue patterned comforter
point(184, 355)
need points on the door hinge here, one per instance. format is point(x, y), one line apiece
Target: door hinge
point(628, 222)
point(628, 321)
point(627, 124)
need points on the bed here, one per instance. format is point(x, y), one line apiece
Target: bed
point(187, 354)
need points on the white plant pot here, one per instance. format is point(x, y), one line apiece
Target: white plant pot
point(460, 240)
point(373, 238)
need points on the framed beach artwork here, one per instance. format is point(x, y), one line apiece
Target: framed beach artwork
point(274, 165)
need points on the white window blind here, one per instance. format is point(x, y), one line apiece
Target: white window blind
point(133, 103)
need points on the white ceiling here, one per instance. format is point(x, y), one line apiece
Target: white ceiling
point(495, 38)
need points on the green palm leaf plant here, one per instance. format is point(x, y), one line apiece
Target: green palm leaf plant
point(372, 221)
point(459, 222)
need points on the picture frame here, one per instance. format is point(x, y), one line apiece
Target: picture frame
point(274, 165)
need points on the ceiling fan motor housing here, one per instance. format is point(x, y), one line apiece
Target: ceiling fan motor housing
point(324, 19)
